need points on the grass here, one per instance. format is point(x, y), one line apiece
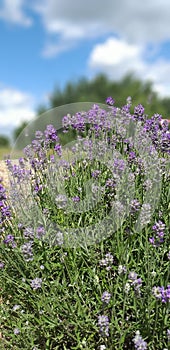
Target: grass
point(64, 290)
point(4, 152)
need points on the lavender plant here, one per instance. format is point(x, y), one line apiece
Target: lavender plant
point(64, 283)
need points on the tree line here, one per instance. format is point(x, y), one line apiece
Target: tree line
point(97, 89)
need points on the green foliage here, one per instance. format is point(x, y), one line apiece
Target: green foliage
point(19, 129)
point(100, 87)
point(97, 89)
point(4, 141)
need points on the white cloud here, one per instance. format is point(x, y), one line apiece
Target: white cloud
point(135, 21)
point(116, 52)
point(115, 57)
point(12, 12)
point(70, 21)
point(15, 107)
point(53, 48)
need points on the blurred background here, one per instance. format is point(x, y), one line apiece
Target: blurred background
point(56, 52)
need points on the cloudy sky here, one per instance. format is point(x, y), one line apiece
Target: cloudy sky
point(45, 43)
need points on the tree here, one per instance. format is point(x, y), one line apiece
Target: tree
point(4, 141)
point(99, 88)
point(19, 129)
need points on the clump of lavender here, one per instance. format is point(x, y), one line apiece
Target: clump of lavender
point(135, 206)
point(2, 265)
point(159, 232)
point(135, 282)
point(76, 199)
point(10, 241)
point(96, 173)
point(139, 113)
point(138, 341)
point(107, 262)
point(110, 101)
point(106, 297)
point(122, 269)
point(16, 331)
point(40, 232)
point(39, 156)
point(27, 251)
point(5, 210)
point(36, 283)
point(162, 293)
point(3, 195)
point(103, 322)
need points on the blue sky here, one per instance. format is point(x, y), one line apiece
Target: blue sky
point(46, 43)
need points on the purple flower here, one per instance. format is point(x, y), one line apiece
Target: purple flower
point(162, 293)
point(96, 173)
point(76, 199)
point(152, 241)
point(40, 232)
point(139, 113)
point(137, 285)
point(119, 165)
point(16, 307)
point(21, 163)
point(106, 297)
point(5, 211)
point(9, 239)
point(140, 344)
point(122, 269)
point(132, 276)
point(129, 100)
point(1, 265)
point(36, 283)
point(110, 183)
point(16, 331)
point(156, 292)
point(107, 261)
point(57, 148)
point(110, 101)
point(132, 156)
point(2, 193)
point(135, 205)
point(51, 134)
point(103, 322)
point(39, 135)
point(168, 334)
point(27, 251)
point(135, 282)
point(168, 293)
point(158, 229)
point(52, 158)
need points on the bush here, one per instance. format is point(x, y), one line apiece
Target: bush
point(89, 272)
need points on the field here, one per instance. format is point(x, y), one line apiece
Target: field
point(4, 152)
point(85, 240)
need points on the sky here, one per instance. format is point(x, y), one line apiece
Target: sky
point(46, 43)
